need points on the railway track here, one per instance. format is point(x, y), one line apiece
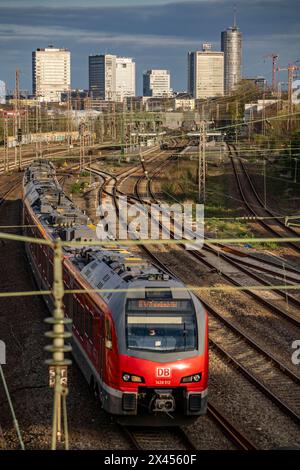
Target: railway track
point(176, 437)
point(22, 329)
point(212, 259)
point(157, 438)
point(255, 205)
point(285, 270)
point(137, 438)
point(29, 157)
point(259, 366)
point(291, 316)
point(286, 397)
point(11, 190)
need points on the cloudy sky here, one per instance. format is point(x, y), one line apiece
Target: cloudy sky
point(156, 33)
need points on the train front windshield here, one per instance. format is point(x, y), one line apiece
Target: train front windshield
point(162, 326)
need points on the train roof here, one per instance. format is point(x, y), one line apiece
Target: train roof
point(113, 267)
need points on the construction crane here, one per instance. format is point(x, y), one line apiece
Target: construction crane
point(17, 120)
point(290, 68)
point(274, 58)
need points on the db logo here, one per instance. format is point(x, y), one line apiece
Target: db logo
point(163, 372)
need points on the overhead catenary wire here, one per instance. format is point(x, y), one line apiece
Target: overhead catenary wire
point(246, 218)
point(219, 288)
point(113, 243)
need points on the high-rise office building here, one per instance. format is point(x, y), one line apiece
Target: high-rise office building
point(125, 78)
point(156, 83)
point(231, 45)
point(205, 73)
point(2, 92)
point(111, 78)
point(51, 73)
point(102, 76)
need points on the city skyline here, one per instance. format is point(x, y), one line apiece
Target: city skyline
point(145, 34)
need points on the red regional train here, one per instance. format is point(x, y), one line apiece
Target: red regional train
point(143, 351)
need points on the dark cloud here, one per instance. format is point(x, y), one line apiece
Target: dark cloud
point(156, 36)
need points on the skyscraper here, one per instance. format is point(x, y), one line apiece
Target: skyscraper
point(51, 73)
point(102, 76)
point(110, 77)
point(205, 73)
point(231, 45)
point(156, 83)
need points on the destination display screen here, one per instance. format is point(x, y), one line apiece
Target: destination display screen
point(146, 304)
point(157, 303)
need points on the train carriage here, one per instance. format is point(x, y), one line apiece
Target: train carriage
point(144, 351)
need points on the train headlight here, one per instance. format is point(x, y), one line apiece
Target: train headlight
point(132, 378)
point(192, 378)
point(136, 378)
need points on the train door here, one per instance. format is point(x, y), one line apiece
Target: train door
point(68, 298)
point(97, 352)
point(107, 350)
point(101, 355)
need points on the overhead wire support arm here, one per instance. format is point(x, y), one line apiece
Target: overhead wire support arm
point(202, 163)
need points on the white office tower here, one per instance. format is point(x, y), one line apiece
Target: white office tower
point(2, 92)
point(51, 73)
point(206, 73)
point(231, 45)
point(157, 83)
point(125, 78)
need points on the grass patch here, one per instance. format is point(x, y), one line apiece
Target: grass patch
point(77, 188)
point(228, 229)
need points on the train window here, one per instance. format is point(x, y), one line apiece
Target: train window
point(68, 305)
point(156, 294)
point(68, 298)
point(89, 326)
point(96, 330)
point(81, 319)
point(108, 334)
point(75, 316)
point(39, 254)
point(78, 317)
point(160, 330)
point(50, 272)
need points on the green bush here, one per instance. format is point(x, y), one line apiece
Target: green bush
point(77, 188)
